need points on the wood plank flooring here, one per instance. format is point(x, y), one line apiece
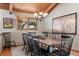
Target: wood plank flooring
point(6, 52)
point(75, 53)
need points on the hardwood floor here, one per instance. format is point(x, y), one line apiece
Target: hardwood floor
point(7, 52)
point(75, 53)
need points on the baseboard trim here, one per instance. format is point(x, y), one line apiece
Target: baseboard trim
point(18, 44)
point(74, 50)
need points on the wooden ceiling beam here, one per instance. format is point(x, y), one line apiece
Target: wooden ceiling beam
point(10, 7)
point(51, 7)
point(21, 11)
point(4, 6)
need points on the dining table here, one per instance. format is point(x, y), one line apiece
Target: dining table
point(56, 43)
point(44, 42)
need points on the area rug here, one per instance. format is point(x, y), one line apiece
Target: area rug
point(18, 51)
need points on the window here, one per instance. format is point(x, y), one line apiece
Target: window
point(66, 24)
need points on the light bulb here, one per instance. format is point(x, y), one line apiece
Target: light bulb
point(45, 14)
point(40, 13)
point(39, 16)
point(35, 14)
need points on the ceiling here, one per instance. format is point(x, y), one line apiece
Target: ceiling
point(29, 7)
point(4, 6)
point(33, 7)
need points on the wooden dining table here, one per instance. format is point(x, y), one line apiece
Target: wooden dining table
point(46, 41)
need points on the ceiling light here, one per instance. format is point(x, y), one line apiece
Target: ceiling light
point(40, 15)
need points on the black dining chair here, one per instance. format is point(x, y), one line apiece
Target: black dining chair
point(35, 45)
point(32, 33)
point(66, 44)
point(38, 51)
point(30, 45)
point(45, 33)
point(25, 40)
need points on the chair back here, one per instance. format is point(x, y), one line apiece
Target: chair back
point(36, 49)
point(25, 39)
point(45, 33)
point(32, 33)
point(66, 43)
point(50, 48)
point(30, 45)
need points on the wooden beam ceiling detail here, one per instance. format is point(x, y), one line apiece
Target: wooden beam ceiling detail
point(51, 7)
point(11, 7)
point(4, 6)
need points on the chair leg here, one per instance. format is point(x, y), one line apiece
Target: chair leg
point(14, 44)
point(23, 47)
point(26, 50)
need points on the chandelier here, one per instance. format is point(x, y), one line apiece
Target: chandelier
point(40, 15)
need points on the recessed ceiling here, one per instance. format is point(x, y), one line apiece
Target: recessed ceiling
point(29, 7)
point(33, 7)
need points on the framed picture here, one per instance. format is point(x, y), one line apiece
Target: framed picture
point(32, 24)
point(7, 23)
point(22, 22)
point(25, 23)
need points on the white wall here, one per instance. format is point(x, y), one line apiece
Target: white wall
point(0, 44)
point(60, 10)
point(5, 14)
point(16, 35)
